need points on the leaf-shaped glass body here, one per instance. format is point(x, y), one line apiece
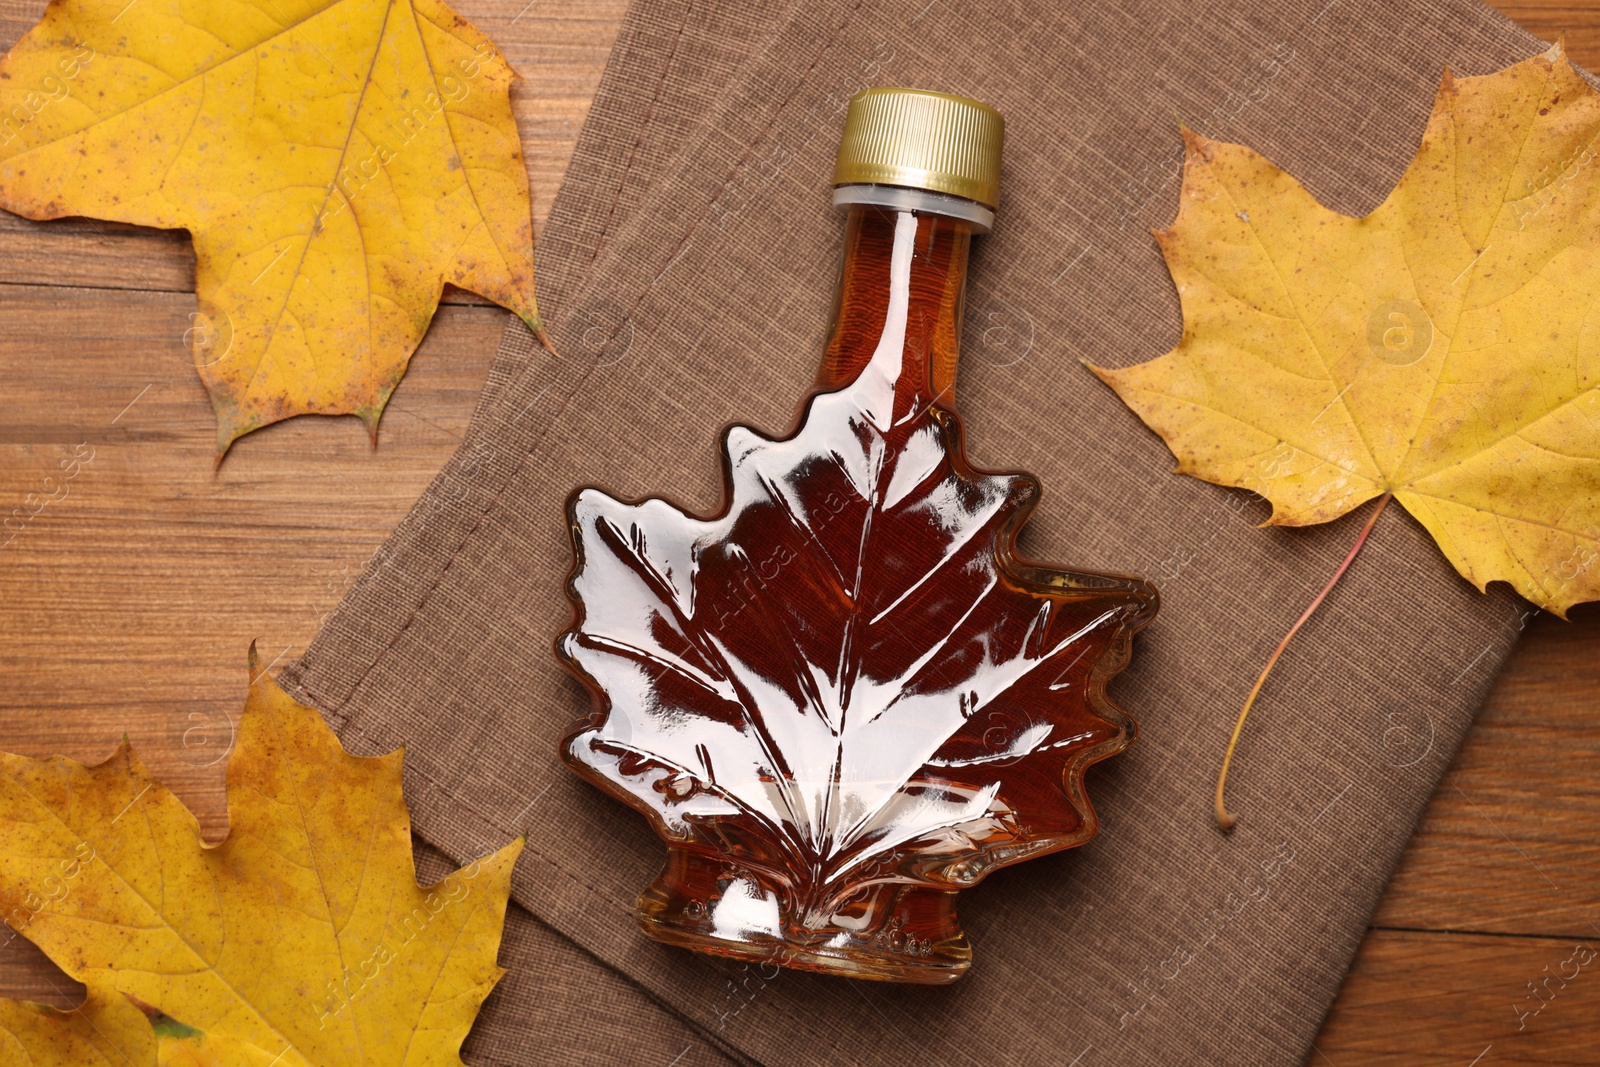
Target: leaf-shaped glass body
point(845, 698)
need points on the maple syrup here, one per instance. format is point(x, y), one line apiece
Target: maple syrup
point(845, 697)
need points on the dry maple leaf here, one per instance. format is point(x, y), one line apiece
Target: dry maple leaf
point(847, 682)
point(303, 938)
point(337, 162)
point(1442, 349)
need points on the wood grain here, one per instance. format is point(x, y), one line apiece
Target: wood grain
point(150, 552)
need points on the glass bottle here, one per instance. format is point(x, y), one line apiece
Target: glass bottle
point(845, 697)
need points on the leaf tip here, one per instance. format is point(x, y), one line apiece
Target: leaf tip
point(536, 324)
point(253, 661)
point(1545, 601)
point(369, 418)
point(228, 431)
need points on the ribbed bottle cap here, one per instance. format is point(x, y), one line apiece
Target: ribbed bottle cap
point(922, 140)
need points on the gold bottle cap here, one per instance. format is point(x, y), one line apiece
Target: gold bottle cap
point(922, 140)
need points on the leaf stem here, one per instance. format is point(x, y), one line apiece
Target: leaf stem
point(1225, 818)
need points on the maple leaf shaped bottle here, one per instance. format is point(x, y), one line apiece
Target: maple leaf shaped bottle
point(845, 697)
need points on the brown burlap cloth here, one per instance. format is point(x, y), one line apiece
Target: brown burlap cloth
point(687, 270)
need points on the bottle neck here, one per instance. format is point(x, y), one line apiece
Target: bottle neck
point(902, 286)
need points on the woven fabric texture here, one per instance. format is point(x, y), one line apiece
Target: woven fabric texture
point(687, 271)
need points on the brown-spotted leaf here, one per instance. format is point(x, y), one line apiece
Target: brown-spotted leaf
point(106, 1030)
point(336, 161)
point(1442, 349)
point(301, 939)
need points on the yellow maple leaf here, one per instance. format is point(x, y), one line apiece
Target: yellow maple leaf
point(303, 938)
point(106, 1030)
point(337, 161)
point(1444, 349)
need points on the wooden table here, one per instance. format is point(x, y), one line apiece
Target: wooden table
point(127, 607)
